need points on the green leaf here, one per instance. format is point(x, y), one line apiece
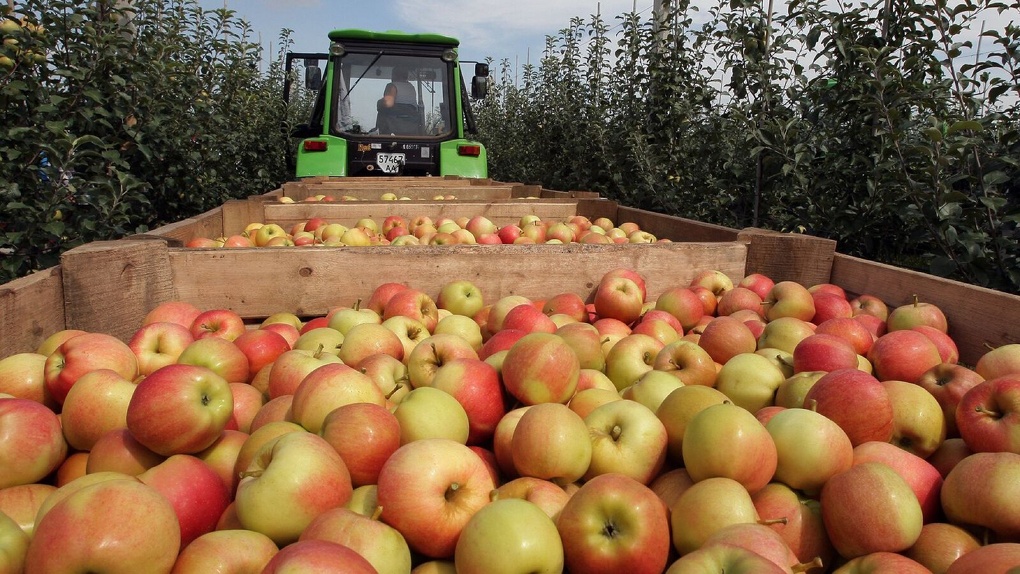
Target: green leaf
point(964, 125)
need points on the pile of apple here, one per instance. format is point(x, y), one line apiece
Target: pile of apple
point(387, 196)
point(423, 230)
point(759, 427)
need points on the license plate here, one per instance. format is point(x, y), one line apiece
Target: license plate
point(390, 162)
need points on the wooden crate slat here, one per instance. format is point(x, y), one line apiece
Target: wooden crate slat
point(259, 282)
point(675, 228)
point(978, 318)
point(789, 256)
point(31, 309)
point(109, 286)
point(208, 224)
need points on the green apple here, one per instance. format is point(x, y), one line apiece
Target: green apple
point(750, 381)
point(728, 441)
point(628, 439)
point(509, 536)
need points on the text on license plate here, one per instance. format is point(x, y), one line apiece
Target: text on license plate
point(390, 162)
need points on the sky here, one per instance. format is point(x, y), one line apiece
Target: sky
point(513, 30)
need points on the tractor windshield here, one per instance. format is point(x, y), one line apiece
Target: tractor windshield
point(390, 94)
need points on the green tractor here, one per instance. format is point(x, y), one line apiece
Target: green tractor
point(388, 104)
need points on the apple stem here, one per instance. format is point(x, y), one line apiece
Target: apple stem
point(989, 412)
point(493, 495)
point(377, 513)
point(805, 566)
point(812, 405)
point(768, 521)
point(917, 301)
point(452, 490)
point(396, 388)
point(251, 473)
point(357, 305)
point(616, 432)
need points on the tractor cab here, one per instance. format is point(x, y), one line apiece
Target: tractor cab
point(389, 103)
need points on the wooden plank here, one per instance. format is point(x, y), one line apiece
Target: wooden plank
point(311, 281)
point(675, 228)
point(31, 309)
point(500, 212)
point(979, 318)
point(208, 224)
point(109, 286)
point(788, 256)
point(238, 213)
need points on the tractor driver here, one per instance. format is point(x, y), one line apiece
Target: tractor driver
point(398, 108)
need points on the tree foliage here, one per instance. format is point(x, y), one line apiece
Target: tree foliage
point(116, 120)
point(869, 127)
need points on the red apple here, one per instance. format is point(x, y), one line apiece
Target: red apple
point(541, 367)
point(115, 525)
point(96, 404)
point(429, 489)
point(220, 356)
point(222, 323)
point(870, 508)
point(988, 415)
point(948, 350)
point(999, 361)
point(618, 298)
point(261, 347)
point(226, 551)
point(614, 523)
point(83, 353)
point(820, 352)
point(476, 386)
point(865, 304)
point(159, 344)
point(32, 444)
point(193, 488)
point(180, 409)
point(365, 435)
point(850, 330)
point(119, 451)
point(725, 337)
point(856, 401)
point(903, 356)
point(318, 556)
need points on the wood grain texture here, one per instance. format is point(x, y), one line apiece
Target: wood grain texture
point(675, 228)
point(109, 286)
point(978, 318)
point(31, 309)
point(308, 282)
point(788, 256)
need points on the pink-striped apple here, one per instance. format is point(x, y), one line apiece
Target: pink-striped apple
point(292, 479)
point(111, 526)
point(856, 401)
point(226, 551)
point(551, 442)
point(83, 353)
point(429, 489)
point(870, 508)
point(375, 541)
point(159, 344)
point(329, 387)
point(97, 403)
point(364, 435)
point(614, 523)
point(541, 367)
point(180, 409)
point(197, 494)
point(31, 442)
point(222, 323)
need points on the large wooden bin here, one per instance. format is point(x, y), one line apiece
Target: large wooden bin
point(450, 188)
point(110, 286)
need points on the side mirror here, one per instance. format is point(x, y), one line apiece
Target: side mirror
point(479, 87)
point(481, 69)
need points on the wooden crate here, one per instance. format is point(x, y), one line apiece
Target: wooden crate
point(110, 286)
point(373, 188)
point(233, 216)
